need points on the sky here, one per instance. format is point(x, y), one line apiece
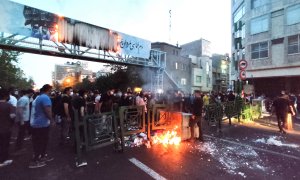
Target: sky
point(146, 19)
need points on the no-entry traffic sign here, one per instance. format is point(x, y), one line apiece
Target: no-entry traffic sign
point(243, 64)
point(243, 75)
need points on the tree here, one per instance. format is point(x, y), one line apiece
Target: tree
point(85, 84)
point(121, 77)
point(11, 75)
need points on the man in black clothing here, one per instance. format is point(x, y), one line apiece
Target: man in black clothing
point(231, 96)
point(67, 115)
point(106, 101)
point(7, 113)
point(197, 115)
point(281, 108)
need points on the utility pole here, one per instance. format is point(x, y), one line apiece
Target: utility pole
point(170, 25)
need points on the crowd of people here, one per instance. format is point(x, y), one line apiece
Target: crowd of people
point(32, 113)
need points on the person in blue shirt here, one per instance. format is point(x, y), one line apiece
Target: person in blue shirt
point(40, 127)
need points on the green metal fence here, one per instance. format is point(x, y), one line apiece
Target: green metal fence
point(96, 131)
point(215, 113)
point(132, 120)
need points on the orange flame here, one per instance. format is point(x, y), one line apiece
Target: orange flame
point(168, 137)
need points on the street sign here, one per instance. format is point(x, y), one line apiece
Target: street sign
point(243, 64)
point(243, 75)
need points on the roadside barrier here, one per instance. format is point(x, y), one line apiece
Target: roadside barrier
point(96, 131)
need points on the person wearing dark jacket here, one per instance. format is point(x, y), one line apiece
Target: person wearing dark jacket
point(281, 107)
point(7, 114)
point(197, 115)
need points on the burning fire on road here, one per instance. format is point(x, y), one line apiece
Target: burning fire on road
point(169, 137)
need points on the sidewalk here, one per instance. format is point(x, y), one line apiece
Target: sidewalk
point(270, 122)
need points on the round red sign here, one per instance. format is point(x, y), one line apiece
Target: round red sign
point(243, 75)
point(243, 64)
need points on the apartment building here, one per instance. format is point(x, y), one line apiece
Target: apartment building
point(266, 33)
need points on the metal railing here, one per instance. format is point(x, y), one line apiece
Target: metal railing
point(96, 131)
point(214, 113)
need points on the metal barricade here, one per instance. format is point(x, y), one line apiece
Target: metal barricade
point(214, 114)
point(96, 131)
point(160, 117)
point(233, 109)
point(132, 120)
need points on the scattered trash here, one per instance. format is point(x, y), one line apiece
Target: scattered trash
point(273, 140)
point(232, 157)
point(137, 140)
point(242, 174)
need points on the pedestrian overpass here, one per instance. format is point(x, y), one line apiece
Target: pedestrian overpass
point(31, 30)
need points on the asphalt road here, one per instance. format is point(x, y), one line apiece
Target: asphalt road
point(241, 151)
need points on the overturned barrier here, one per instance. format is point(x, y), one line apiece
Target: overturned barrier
point(161, 118)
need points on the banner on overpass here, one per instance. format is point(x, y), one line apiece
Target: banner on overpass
point(31, 22)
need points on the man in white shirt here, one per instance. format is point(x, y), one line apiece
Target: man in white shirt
point(13, 101)
point(23, 115)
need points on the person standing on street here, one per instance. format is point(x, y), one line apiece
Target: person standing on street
point(23, 114)
point(106, 101)
point(197, 109)
point(7, 113)
point(298, 106)
point(40, 127)
point(281, 106)
point(67, 115)
point(231, 96)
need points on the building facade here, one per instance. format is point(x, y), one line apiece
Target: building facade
point(220, 73)
point(188, 67)
point(70, 73)
point(266, 33)
point(201, 64)
point(177, 72)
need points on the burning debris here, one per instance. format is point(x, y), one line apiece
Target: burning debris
point(166, 137)
point(136, 140)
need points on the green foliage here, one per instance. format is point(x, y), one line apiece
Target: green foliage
point(85, 84)
point(11, 75)
point(251, 112)
point(120, 78)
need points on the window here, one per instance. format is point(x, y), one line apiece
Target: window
point(198, 79)
point(259, 24)
point(239, 14)
point(258, 3)
point(259, 50)
point(207, 67)
point(207, 81)
point(183, 81)
point(182, 66)
point(176, 65)
point(293, 44)
point(292, 15)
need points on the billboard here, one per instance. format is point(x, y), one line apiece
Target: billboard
point(32, 22)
